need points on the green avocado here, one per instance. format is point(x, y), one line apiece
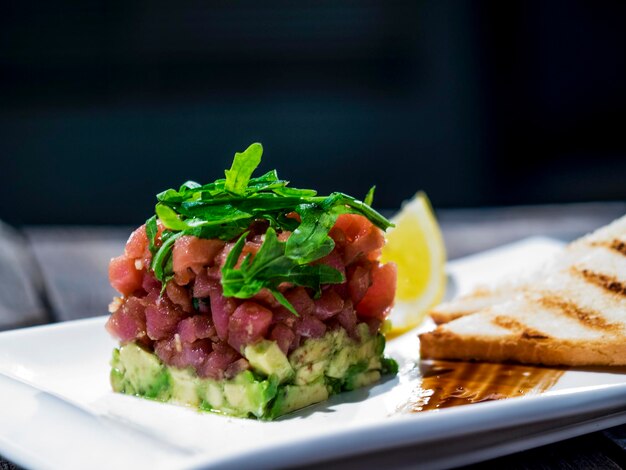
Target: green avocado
point(266, 358)
point(275, 384)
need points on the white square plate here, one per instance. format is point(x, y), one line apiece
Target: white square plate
point(57, 409)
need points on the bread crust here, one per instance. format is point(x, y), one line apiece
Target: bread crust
point(441, 317)
point(572, 313)
point(442, 344)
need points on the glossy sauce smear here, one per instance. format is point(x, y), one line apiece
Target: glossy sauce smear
point(444, 384)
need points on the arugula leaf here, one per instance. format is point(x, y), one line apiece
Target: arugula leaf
point(278, 295)
point(151, 233)
point(369, 197)
point(310, 241)
point(244, 164)
point(161, 261)
point(169, 218)
point(269, 268)
point(226, 208)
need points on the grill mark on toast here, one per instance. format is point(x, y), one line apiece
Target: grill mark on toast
point(615, 245)
point(607, 282)
point(516, 326)
point(587, 317)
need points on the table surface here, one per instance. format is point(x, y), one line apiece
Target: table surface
point(50, 274)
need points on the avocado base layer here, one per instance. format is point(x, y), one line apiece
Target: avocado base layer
point(275, 384)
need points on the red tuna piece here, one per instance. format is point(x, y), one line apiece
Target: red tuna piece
point(217, 362)
point(283, 336)
point(124, 276)
point(221, 310)
point(310, 327)
point(303, 304)
point(128, 322)
point(347, 318)
point(369, 243)
point(378, 299)
point(266, 298)
point(162, 319)
point(137, 244)
point(362, 236)
point(179, 295)
point(191, 254)
point(196, 327)
point(358, 282)
point(352, 225)
point(334, 260)
point(176, 353)
point(299, 298)
point(151, 284)
point(202, 285)
point(194, 354)
point(328, 305)
point(248, 324)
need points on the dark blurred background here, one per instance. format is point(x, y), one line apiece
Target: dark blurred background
point(105, 103)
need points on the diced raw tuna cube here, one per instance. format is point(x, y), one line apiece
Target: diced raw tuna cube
point(202, 285)
point(310, 327)
point(137, 244)
point(378, 299)
point(217, 362)
point(347, 318)
point(284, 337)
point(328, 305)
point(196, 327)
point(162, 319)
point(221, 310)
point(358, 282)
point(124, 275)
point(248, 324)
point(191, 254)
point(179, 296)
point(128, 322)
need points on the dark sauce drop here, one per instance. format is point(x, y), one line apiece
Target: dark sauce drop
point(445, 384)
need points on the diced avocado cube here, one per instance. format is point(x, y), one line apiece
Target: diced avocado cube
point(267, 358)
point(362, 379)
point(294, 397)
point(351, 372)
point(340, 362)
point(313, 350)
point(374, 363)
point(213, 394)
point(367, 349)
point(246, 395)
point(310, 372)
point(184, 387)
point(144, 373)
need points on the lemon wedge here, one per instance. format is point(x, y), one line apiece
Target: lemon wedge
point(416, 245)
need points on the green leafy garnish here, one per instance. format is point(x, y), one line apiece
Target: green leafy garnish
point(270, 267)
point(151, 233)
point(244, 164)
point(369, 197)
point(226, 208)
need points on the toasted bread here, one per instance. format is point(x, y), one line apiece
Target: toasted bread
point(573, 313)
point(479, 299)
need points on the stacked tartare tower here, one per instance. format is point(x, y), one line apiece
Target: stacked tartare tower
point(250, 298)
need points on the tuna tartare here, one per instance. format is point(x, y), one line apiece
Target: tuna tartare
point(250, 298)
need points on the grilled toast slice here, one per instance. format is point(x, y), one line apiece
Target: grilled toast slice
point(611, 236)
point(573, 313)
point(479, 299)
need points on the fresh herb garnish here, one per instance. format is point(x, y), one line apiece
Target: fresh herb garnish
point(226, 208)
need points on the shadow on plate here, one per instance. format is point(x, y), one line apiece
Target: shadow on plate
point(355, 396)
